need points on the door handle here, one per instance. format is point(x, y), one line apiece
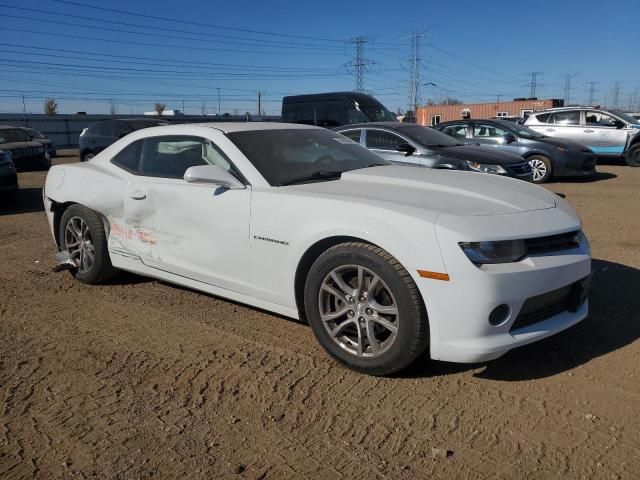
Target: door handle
point(138, 195)
point(551, 129)
point(588, 131)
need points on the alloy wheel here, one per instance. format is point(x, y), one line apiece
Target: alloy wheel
point(539, 169)
point(358, 311)
point(79, 244)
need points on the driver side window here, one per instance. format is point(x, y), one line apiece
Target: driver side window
point(481, 130)
point(171, 156)
point(381, 140)
point(597, 119)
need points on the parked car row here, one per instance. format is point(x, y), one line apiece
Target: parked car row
point(548, 157)
point(608, 133)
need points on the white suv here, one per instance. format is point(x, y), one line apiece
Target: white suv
point(609, 133)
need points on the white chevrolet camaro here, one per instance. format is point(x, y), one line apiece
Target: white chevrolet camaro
point(383, 261)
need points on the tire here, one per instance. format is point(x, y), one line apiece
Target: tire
point(391, 350)
point(87, 156)
point(89, 231)
point(633, 156)
point(542, 168)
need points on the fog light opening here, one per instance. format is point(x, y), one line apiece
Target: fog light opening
point(499, 315)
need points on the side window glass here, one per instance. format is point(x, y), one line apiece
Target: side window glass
point(543, 118)
point(352, 134)
point(597, 119)
point(120, 129)
point(129, 157)
point(456, 131)
point(488, 131)
point(104, 129)
point(170, 157)
point(381, 140)
point(565, 118)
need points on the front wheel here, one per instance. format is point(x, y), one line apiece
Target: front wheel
point(365, 309)
point(633, 156)
point(541, 167)
point(82, 235)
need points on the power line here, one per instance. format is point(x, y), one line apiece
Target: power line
point(191, 22)
point(287, 43)
point(162, 45)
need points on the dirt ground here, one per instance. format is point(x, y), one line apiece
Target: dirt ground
point(141, 379)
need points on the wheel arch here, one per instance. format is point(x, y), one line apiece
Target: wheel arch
point(311, 255)
point(58, 209)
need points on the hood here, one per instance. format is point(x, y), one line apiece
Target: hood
point(479, 154)
point(563, 142)
point(440, 191)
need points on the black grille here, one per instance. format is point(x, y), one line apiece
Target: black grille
point(542, 307)
point(26, 151)
point(552, 243)
point(521, 169)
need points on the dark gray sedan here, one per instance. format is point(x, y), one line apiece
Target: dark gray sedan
point(411, 144)
point(549, 157)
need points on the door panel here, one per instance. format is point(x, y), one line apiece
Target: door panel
point(196, 231)
point(601, 135)
point(489, 135)
point(564, 125)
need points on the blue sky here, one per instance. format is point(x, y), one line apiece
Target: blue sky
point(89, 58)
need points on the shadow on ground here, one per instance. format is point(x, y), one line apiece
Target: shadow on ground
point(612, 323)
point(24, 200)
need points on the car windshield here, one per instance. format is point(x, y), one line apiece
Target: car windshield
point(525, 132)
point(10, 135)
point(428, 136)
point(377, 113)
point(34, 133)
point(305, 155)
point(626, 117)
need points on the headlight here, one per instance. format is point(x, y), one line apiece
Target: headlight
point(494, 252)
point(486, 167)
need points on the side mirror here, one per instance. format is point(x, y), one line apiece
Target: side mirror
point(509, 138)
point(406, 149)
point(214, 175)
point(619, 124)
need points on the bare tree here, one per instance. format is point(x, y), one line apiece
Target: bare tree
point(159, 108)
point(451, 101)
point(50, 107)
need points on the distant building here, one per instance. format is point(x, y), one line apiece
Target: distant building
point(430, 115)
point(165, 113)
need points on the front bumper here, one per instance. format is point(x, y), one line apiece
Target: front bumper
point(459, 309)
point(578, 164)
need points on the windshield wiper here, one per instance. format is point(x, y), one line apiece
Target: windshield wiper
point(319, 175)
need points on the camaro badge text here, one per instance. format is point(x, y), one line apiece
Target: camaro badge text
point(272, 240)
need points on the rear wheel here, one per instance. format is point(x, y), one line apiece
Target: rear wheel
point(365, 309)
point(82, 235)
point(541, 167)
point(633, 156)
